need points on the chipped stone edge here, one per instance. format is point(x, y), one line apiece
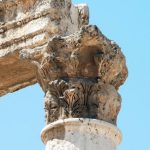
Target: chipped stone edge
point(106, 129)
point(18, 87)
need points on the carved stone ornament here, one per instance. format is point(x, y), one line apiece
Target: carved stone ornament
point(28, 25)
point(81, 98)
point(50, 42)
point(80, 75)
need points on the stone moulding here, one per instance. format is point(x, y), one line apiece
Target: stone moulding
point(28, 24)
point(69, 129)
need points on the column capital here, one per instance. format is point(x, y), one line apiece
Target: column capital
point(80, 75)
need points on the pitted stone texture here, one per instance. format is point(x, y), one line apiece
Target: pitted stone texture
point(84, 54)
point(80, 75)
point(81, 98)
point(84, 134)
point(28, 24)
point(60, 145)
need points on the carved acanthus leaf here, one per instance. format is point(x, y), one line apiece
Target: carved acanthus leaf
point(81, 98)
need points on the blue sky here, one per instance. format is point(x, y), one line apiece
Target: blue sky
point(126, 22)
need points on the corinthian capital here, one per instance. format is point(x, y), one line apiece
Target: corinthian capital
point(80, 75)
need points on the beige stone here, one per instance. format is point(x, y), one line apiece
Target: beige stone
point(27, 25)
point(80, 75)
point(80, 134)
point(79, 69)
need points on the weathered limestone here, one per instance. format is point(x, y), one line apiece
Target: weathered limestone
point(28, 24)
point(80, 75)
point(80, 134)
point(78, 68)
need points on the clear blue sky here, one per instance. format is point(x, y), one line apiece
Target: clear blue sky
point(128, 23)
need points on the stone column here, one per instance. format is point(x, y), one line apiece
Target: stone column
point(81, 134)
point(78, 68)
point(80, 74)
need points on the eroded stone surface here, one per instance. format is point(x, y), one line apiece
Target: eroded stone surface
point(86, 53)
point(78, 68)
point(81, 98)
point(80, 75)
point(60, 145)
point(28, 24)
